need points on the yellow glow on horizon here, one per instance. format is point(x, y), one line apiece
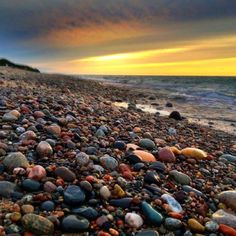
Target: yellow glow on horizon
point(214, 56)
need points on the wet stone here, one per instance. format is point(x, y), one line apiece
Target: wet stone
point(31, 185)
point(48, 206)
point(65, 173)
point(180, 178)
point(147, 232)
point(147, 144)
point(109, 162)
point(87, 212)
point(15, 159)
point(74, 195)
point(172, 224)
point(6, 189)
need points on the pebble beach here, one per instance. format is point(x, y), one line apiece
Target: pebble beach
point(73, 163)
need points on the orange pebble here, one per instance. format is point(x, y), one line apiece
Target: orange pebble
point(114, 232)
point(107, 177)
point(90, 179)
point(60, 182)
point(226, 230)
point(28, 234)
point(175, 215)
point(102, 233)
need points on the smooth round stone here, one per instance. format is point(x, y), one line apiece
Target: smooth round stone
point(172, 131)
point(211, 226)
point(37, 173)
point(8, 117)
point(228, 157)
point(49, 187)
point(180, 177)
point(228, 198)
point(133, 220)
point(173, 204)
point(54, 129)
point(91, 150)
point(2, 169)
point(13, 230)
point(159, 166)
point(138, 166)
point(31, 185)
point(189, 189)
point(152, 177)
point(98, 168)
point(120, 145)
point(122, 203)
point(118, 191)
point(74, 195)
point(147, 232)
point(166, 155)
point(147, 144)
point(194, 153)
point(172, 224)
point(14, 160)
point(74, 223)
point(196, 226)
point(48, 206)
point(226, 218)
point(28, 135)
point(27, 208)
point(44, 149)
point(105, 192)
point(6, 188)
point(82, 158)
point(35, 223)
point(109, 162)
point(151, 214)
point(87, 212)
point(86, 185)
point(65, 174)
point(175, 115)
point(139, 155)
point(100, 133)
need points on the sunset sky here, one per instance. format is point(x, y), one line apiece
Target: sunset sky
point(148, 37)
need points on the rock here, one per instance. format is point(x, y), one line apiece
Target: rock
point(82, 159)
point(28, 135)
point(100, 133)
point(152, 177)
point(109, 162)
point(228, 198)
point(226, 230)
point(44, 149)
point(195, 153)
point(65, 174)
point(31, 185)
point(101, 221)
point(172, 224)
point(159, 166)
point(86, 185)
point(118, 191)
point(228, 157)
point(180, 177)
point(172, 131)
point(147, 232)
point(169, 104)
point(11, 116)
point(35, 223)
point(37, 173)
point(147, 144)
point(138, 166)
point(105, 192)
point(122, 203)
point(173, 204)
point(14, 160)
point(151, 214)
point(133, 220)
point(48, 206)
point(175, 115)
point(74, 195)
point(196, 226)
point(120, 145)
point(6, 188)
point(224, 217)
point(87, 212)
point(166, 155)
point(54, 129)
point(27, 209)
point(189, 189)
point(49, 187)
point(211, 226)
point(142, 156)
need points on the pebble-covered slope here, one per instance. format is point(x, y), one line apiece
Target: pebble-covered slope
point(71, 162)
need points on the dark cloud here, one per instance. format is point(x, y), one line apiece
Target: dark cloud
point(31, 18)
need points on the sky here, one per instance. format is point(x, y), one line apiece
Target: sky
point(122, 37)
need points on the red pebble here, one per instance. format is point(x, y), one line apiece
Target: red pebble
point(226, 230)
point(175, 215)
point(37, 173)
point(60, 182)
point(90, 179)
